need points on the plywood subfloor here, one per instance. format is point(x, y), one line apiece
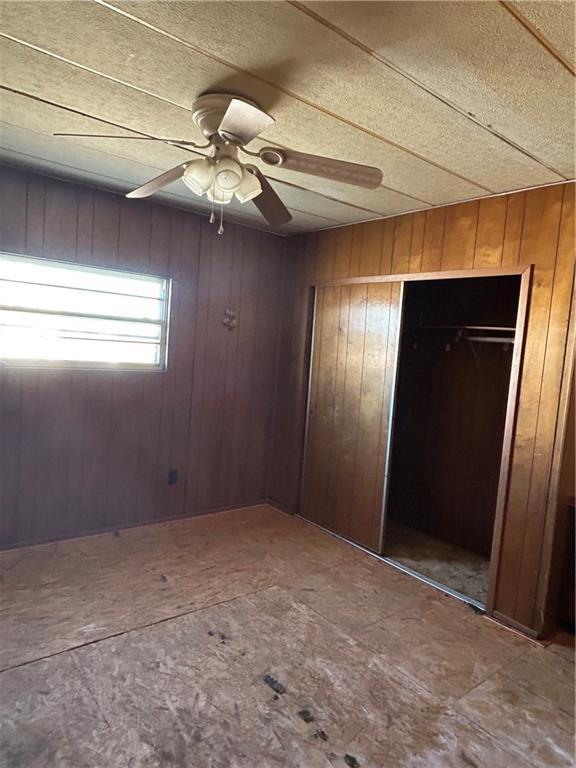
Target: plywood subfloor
point(442, 562)
point(148, 649)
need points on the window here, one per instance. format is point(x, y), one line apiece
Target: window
point(53, 313)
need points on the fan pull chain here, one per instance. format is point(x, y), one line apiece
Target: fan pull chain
point(221, 227)
point(212, 219)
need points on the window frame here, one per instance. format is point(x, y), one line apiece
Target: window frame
point(95, 365)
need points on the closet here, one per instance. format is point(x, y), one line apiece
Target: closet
point(411, 389)
point(453, 380)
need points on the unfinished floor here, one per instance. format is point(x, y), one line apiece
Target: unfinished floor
point(149, 648)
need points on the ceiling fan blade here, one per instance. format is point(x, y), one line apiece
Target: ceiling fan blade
point(160, 181)
point(268, 202)
point(325, 167)
point(137, 138)
point(243, 122)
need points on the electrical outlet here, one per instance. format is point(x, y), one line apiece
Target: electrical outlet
point(172, 476)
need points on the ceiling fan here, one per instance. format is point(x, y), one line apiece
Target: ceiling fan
point(229, 123)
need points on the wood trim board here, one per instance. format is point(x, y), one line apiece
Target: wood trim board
point(453, 274)
point(508, 442)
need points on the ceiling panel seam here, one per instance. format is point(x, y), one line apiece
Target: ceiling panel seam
point(291, 94)
point(542, 39)
point(83, 67)
point(418, 83)
point(194, 152)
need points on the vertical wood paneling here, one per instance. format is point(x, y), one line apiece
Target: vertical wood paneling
point(57, 390)
point(539, 247)
point(260, 386)
point(369, 239)
point(532, 227)
point(460, 236)
point(29, 516)
point(347, 372)
point(351, 369)
point(158, 395)
point(124, 486)
point(76, 506)
point(371, 434)
point(343, 253)
point(513, 229)
point(13, 210)
point(185, 252)
point(322, 413)
point(356, 265)
point(88, 450)
point(387, 247)
point(325, 253)
point(98, 416)
point(230, 445)
point(417, 242)
point(245, 349)
point(433, 239)
point(292, 376)
point(402, 243)
point(354, 311)
point(490, 232)
point(561, 293)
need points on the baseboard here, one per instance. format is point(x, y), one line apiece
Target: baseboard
point(278, 507)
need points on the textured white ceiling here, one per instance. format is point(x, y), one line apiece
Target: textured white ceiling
point(452, 100)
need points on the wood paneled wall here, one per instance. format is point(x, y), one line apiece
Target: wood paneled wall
point(83, 451)
point(535, 227)
point(89, 450)
point(355, 337)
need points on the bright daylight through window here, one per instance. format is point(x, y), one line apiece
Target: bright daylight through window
point(53, 313)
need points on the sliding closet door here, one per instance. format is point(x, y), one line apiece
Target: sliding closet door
point(352, 373)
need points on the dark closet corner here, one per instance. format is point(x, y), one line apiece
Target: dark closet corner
point(452, 390)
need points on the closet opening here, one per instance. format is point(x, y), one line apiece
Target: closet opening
point(454, 371)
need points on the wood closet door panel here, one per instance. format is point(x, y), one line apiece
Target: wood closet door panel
point(352, 373)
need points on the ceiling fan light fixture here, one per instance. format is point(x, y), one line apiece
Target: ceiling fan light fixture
point(199, 176)
point(249, 188)
point(230, 122)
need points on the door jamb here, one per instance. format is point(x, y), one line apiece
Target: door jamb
point(508, 439)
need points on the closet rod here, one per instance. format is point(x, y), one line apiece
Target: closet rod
point(502, 328)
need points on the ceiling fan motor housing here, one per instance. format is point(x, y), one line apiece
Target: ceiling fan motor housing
point(209, 110)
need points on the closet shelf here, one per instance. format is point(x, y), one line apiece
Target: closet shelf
point(491, 334)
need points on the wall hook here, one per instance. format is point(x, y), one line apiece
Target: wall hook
point(230, 320)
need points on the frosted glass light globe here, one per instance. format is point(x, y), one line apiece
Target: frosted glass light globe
point(228, 174)
point(249, 188)
point(199, 176)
